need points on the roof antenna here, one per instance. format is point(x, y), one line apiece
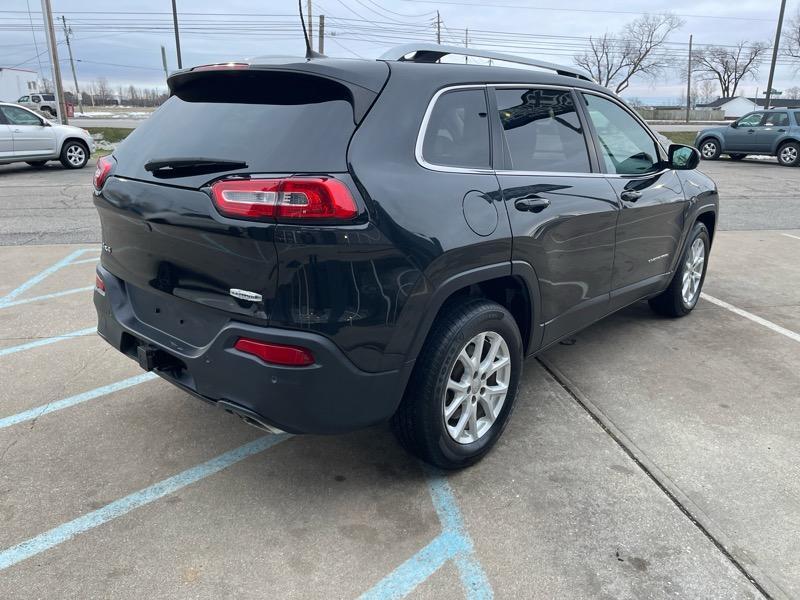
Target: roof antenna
point(309, 50)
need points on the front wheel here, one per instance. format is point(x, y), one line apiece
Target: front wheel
point(74, 155)
point(683, 292)
point(463, 387)
point(710, 149)
point(789, 154)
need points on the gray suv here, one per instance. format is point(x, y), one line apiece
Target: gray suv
point(768, 132)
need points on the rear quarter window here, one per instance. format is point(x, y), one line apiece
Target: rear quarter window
point(457, 131)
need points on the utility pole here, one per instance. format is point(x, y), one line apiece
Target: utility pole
point(466, 44)
point(438, 28)
point(164, 62)
point(310, 25)
point(177, 34)
point(774, 55)
point(47, 13)
point(322, 34)
point(689, 81)
point(67, 33)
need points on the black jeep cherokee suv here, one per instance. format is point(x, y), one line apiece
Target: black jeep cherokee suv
point(321, 245)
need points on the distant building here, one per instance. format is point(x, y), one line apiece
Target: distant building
point(733, 108)
point(15, 83)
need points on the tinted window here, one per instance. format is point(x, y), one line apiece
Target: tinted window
point(797, 118)
point(542, 130)
point(624, 145)
point(458, 131)
point(777, 119)
point(751, 120)
point(276, 123)
point(18, 116)
point(49, 97)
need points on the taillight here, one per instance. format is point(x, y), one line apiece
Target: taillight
point(104, 165)
point(276, 354)
point(99, 285)
point(284, 199)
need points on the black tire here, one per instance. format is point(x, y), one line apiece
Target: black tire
point(710, 149)
point(671, 302)
point(789, 154)
point(36, 164)
point(737, 156)
point(419, 422)
point(69, 150)
point(49, 111)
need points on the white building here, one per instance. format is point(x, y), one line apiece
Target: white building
point(16, 82)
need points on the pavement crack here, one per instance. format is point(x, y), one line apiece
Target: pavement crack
point(595, 414)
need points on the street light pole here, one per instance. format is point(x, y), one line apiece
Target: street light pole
point(177, 34)
point(774, 55)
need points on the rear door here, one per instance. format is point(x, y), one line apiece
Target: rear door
point(162, 233)
point(31, 136)
point(776, 124)
point(6, 139)
point(650, 226)
point(744, 137)
point(563, 213)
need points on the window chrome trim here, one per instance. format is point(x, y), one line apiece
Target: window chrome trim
point(467, 170)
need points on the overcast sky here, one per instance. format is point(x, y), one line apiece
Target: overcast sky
point(123, 42)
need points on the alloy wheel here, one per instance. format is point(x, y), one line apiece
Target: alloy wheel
point(477, 387)
point(709, 150)
point(693, 272)
point(788, 154)
point(76, 155)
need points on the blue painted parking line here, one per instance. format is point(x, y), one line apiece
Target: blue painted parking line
point(47, 341)
point(35, 413)
point(10, 299)
point(118, 508)
point(454, 543)
point(47, 296)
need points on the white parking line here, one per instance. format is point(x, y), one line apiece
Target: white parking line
point(755, 318)
point(791, 236)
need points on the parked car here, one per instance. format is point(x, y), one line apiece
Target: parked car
point(45, 103)
point(321, 245)
point(27, 137)
point(774, 132)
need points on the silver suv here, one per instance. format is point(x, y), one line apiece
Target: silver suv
point(773, 132)
point(28, 137)
point(45, 103)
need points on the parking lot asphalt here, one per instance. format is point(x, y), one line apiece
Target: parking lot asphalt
point(649, 458)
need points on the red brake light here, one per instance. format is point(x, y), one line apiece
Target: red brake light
point(284, 199)
point(99, 285)
point(277, 354)
point(104, 165)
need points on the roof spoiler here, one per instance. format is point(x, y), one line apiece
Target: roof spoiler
point(430, 53)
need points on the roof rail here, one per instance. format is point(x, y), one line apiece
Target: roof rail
point(429, 53)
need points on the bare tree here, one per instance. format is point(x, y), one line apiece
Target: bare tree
point(791, 47)
point(729, 65)
point(102, 89)
point(637, 50)
point(706, 91)
point(793, 93)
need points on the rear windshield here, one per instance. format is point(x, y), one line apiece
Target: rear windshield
point(277, 123)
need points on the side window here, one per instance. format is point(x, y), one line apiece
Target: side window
point(751, 120)
point(777, 120)
point(457, 134)
point(23, 99)
point(625, 146)
point(18, 116)
point(36, 99)
point(542, 130)
point(797, 118)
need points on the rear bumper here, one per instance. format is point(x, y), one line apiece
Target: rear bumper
point(330, 396)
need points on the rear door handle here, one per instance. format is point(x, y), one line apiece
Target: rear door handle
point(630, 195)
point(532, 204)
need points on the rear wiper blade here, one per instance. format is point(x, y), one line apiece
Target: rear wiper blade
point(162, 166)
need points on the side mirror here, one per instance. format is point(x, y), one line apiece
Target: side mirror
point(735, 124)
point(683, 158)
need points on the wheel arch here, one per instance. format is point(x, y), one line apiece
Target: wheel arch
point(716, 137)
point(709, 219)
point(73, 138)
point(512, 285)
point(783, 141)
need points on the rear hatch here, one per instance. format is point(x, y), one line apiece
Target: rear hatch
point(179, 257)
